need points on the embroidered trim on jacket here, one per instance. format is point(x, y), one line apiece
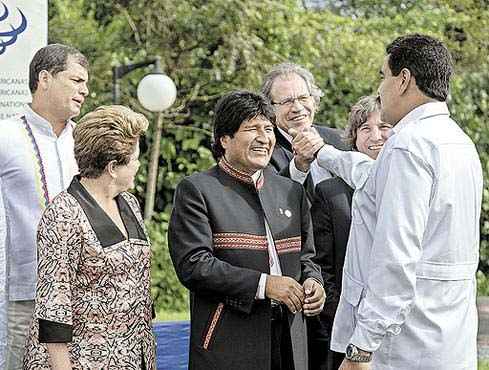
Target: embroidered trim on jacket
point(255, 242)
point(288, 245)
point(212, 326)
point(240, 175)
point(239, 241)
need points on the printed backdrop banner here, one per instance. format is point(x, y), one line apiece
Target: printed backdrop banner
point(23, 31)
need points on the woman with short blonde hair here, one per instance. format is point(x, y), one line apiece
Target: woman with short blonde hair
point(93, 303)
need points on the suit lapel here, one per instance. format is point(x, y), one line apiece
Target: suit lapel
point(282, 140)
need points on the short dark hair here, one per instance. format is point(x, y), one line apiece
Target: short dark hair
point(232, 110)
point(53, 58)
point(428, 60)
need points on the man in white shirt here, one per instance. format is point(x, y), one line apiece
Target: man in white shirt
point(409, 287)
point(36, 163)
point(295, 96)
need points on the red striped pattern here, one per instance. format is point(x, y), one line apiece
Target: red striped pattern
point(288, 245)
point(212, 326)
point(239, 241)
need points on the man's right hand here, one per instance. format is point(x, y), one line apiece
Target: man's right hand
point(305, 144)
point(285, 290)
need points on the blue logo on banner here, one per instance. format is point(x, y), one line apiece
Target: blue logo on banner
point(8, 38)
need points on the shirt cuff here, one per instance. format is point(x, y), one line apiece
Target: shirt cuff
point(296, 174)
point(365, 339)
point(260, 291)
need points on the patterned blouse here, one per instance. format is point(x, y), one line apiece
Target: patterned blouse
point(93, 289)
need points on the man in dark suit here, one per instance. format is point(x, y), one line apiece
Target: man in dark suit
point(331, 215)
point(295, 96)
point(240, 239)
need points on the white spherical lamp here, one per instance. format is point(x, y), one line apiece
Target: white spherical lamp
point(156, 92)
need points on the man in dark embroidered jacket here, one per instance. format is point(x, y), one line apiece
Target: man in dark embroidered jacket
point(241, 241)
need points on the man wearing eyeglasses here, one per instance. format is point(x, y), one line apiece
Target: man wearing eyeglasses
point(295, 96)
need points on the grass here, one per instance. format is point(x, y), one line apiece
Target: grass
point(483, 365)
point(163, 315)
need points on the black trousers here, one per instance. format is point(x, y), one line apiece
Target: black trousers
point(321, 357)
point(318, 341)
point(282, 356)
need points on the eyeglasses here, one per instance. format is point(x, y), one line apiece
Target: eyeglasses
point(288, 102)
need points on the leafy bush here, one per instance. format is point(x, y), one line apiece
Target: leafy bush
point(167, 291)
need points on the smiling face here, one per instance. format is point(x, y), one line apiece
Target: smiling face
point(371, 135)
point(294, 105)
point(66, 90)
point(250, 148)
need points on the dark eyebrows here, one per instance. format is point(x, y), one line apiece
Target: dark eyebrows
point(249, 125)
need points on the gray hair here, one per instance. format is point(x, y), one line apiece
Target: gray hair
point(286, 69)
point(358, 116)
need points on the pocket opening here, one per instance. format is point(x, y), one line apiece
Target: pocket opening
point(210, 334)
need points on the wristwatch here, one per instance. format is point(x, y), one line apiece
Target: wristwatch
point(355, 354)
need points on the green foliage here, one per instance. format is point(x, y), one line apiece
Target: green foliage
point(168, 293)
point(210, 47)
point(482, 284)
point(165, 315)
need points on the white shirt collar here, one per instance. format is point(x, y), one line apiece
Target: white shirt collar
point(423, 111)
point(42, 125)
point(256, 176)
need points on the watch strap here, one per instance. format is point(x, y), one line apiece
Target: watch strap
point(353, 354)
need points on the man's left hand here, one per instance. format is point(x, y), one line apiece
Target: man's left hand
point(349, 365)
point(315, 297)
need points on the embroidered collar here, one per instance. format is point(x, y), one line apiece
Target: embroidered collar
point(423, 111)
point(246, 177)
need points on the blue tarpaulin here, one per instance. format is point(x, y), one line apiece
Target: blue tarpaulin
point(172, 340)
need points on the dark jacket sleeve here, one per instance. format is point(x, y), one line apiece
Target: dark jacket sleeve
point(309, 268)
point(324, 241)
point(191, 249)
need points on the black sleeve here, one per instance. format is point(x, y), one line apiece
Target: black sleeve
point(191, 249)
point(309, 268)
point(324, 241)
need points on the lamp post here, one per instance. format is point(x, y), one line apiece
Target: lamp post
point(156, 92)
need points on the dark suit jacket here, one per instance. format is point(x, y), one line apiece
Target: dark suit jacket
point(331, 217)
point(283, 154)
point(218, 245)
